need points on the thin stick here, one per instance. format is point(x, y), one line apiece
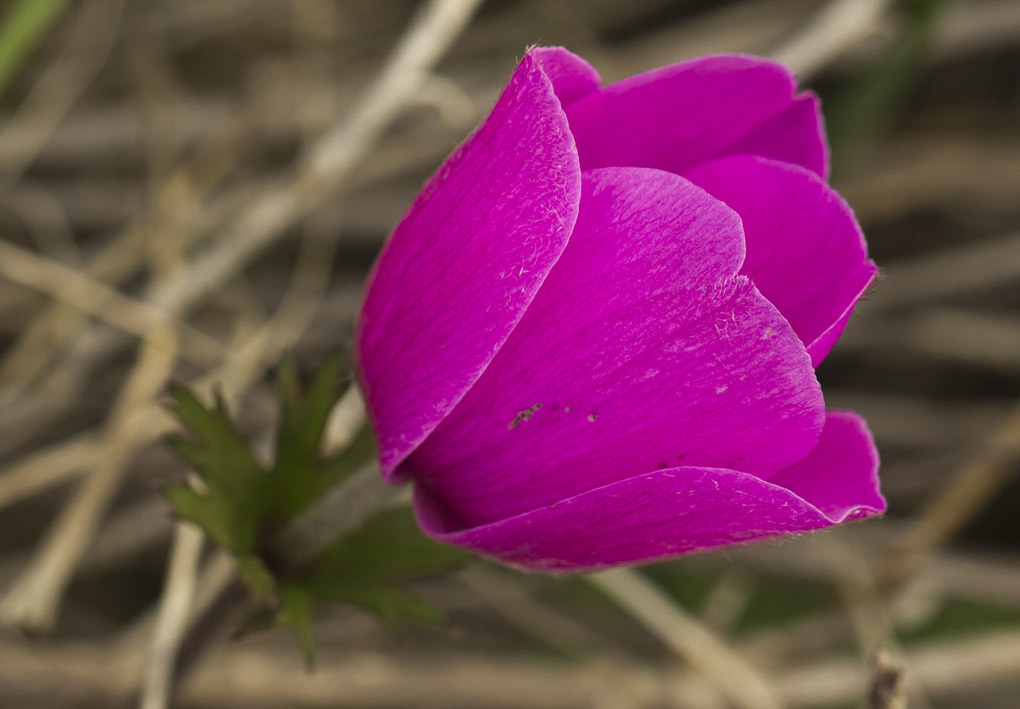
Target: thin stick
point(46, 468)
point(841, 25)
point(328, 161)
point(34, 599)
point(731, 674)
point(53, 95)
point(968, 492)
point(218, 592)
point(309, 281)
point(951, 271)
point(515, 601)
point(171, 620)
point(344, 422)
point(293, 316)
point(340, 511)
point(983, 578)
point(887, 687)
point(177, 198)
point(74, 288)
point(348, 505)
point(71, 458)
point(870, 616)
point(256, 677)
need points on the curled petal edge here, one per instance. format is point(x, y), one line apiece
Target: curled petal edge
point(499, 238)
point(805, 250)
point(676, 511)
point(713, 106)
point(572, 77)
point(820, 347)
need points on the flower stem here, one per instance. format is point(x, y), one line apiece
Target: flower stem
point(340, 511)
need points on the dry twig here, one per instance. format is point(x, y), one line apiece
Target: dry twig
point(731, 674)
point(34, 599)
point(887, 688)
point(841, 25)
point(956, 504)
point(171, 621)
point(93, 37)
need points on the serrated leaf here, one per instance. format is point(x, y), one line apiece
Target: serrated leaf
point(390, 544)
point(216, 450)
point(254, 573)
point(234, 504)
point(303, 420)
point(333, 471)
point(263, 501)
point(246, 505)
point(207, 512)
point(366, 566)
point(391, 604)
point(305, 413)
point(297, 613)
point(261, 618)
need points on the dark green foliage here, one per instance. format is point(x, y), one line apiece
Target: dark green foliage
point(865, 110)
point(24, 26)
point(231, 506)
point(243, 504)
point(388, 546)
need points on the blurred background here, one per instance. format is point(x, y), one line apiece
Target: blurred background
point(190, 189)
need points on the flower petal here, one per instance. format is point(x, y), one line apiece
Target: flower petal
point(643, 348)
point(822, 345)
point(491, 223)
point(678, 116)
point(678, 511)
point(840, 476)
point(572, 77)
point(796, 135)
point(805, 250)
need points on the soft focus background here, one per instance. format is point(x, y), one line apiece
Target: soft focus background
point(190, 189)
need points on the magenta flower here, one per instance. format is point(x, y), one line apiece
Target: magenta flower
point(592, 339)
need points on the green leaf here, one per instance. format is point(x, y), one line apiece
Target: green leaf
point(390, 543)
point(333, 471)
point(297, 613)
point(216, 450)
point(208, 512)
point(263, 617)
point(867, 108)
point(254, 573)
point(296, 473)
point(304, 415)
point(246, 504)
point(366, 567)
point(391, 604)
point(22, 30)
point(233, 509)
